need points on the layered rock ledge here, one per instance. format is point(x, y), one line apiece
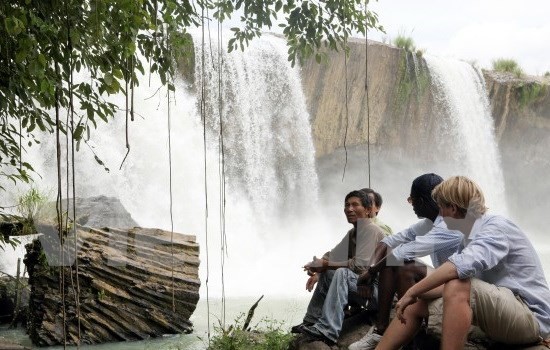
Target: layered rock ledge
point(128, 285)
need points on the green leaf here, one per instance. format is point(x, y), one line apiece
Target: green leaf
point(99, 161)
point(78, 132)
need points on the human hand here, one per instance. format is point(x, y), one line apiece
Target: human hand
point(316, 265)
point(364, 279)
point(311, 282)
point(402, 304)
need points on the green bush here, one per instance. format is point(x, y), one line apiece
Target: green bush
point(404, 42)
point(267, 335)
point(531, 93)
point(507, 65)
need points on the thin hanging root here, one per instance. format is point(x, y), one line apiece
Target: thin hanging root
point(367, 86)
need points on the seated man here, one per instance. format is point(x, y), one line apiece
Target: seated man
point(376, 199)
point(394, 258)
point(495, 282)
point(337, 272)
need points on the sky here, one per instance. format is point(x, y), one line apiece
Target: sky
point(472, 30)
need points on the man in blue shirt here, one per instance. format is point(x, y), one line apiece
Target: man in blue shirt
point(495, 282)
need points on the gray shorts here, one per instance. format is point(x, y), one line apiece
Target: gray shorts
point(503, 316)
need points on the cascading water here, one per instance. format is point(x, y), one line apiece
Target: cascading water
point(267, 138)
point(269, 158)
point(469, 132)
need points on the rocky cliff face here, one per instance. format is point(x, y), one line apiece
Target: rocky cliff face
point(398, 97)
point(401, 111)
point(521, 109)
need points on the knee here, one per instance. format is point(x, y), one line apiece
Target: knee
point(342, 272)
point(457, 292)
point(411, 271)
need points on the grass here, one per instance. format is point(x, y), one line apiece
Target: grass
point(30, 206)
point(267, 335)
point(404, 42)
point(507, 65)
point(530, 93)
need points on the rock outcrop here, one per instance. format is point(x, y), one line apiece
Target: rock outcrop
point(403, 123)
point(521, 109)
point(398, 96)
point(128, 285)
point(101, 211)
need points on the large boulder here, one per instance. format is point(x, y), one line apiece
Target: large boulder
point(101, 211)
point(128, 285)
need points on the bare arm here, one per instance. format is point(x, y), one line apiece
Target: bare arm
point(377, 263)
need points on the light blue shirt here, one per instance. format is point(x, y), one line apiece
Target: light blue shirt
point(425, 238)
point(498, 252)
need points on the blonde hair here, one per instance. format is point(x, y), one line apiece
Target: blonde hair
point(462, 192)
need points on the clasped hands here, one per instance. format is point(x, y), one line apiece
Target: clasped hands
point(406, 300)
point(365, 285)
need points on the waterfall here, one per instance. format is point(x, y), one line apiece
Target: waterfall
point(269, 158)
point(267, 136)
point(468, 134)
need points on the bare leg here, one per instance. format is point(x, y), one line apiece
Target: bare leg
point(392, 279)
point(398, 333)
point(457, 314)
point(408, 275)
point(386, 289)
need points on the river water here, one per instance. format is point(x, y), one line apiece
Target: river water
point(284, 311)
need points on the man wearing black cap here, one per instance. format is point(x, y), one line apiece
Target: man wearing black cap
point(397, 266)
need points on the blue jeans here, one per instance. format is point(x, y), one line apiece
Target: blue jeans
point(326, 307)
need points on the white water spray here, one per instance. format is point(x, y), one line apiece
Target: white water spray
point(471, 138)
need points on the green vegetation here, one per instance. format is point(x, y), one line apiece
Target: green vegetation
point(31, 204)
point(268, 335)
point(507, 65)
point(413, 78)
point(61, 60)
point(547, 75)
point(530, 93)
point(30, 209)
point(404, 42)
